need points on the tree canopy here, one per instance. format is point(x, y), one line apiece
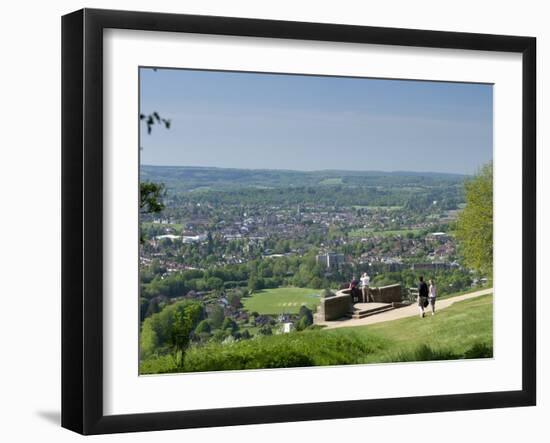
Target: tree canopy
point(150, 197)
point(171, 329)
point(474, 227)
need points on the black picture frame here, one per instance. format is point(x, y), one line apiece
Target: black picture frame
point(82, 217)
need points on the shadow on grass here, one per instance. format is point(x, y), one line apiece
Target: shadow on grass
point(426, 353)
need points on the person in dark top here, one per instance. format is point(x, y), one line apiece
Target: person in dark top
point(354, 289)
point(422, 295)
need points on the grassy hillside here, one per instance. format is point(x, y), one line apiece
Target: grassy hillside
point(455, 329)
point(281, 300)
point(463, 330)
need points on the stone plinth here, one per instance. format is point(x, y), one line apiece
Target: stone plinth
point(335, 307)
point(340, 305)
point(387, 294)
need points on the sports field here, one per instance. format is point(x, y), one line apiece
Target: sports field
point(281, 300)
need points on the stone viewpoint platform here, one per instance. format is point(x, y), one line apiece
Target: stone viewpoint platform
point(361, 310)
point(341, 306)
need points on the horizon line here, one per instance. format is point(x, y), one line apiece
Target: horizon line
point(395, 171)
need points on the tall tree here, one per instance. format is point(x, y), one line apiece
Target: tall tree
point(474, 228)
point(216, 316)
point(186, 318)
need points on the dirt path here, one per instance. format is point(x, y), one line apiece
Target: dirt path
point(408, 311)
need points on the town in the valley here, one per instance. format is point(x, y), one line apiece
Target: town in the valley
point(260, 256)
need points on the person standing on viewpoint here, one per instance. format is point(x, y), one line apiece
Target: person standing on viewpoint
point(365, 281)
point(432, 295)
point(354, 290)
point(422, 295)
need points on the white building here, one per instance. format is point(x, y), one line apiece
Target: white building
point(170, 236)
point(287, 327)
point(330, 260)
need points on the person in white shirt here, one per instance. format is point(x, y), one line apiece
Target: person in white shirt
point(432, 295)
point(365, 281)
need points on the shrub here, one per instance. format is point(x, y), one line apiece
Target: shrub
point(305, 318)
point(265, 330)
point(250, 356)
point(203, 337)
point(479, 350)
point(427, 353)
point(203, 327)
point(219, 335)
point(303, 323)
point(216, 316)
point(229, 324)
point(310, 348)
point(157, 365)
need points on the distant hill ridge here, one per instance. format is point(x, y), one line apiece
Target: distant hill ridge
point(189, 178)
point(327, 172)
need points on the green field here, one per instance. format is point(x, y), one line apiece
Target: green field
point(463, 330)
point(281, 300)
point(332, 181)
point(177, 226)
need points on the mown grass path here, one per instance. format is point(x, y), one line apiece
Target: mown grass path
point(409, 311)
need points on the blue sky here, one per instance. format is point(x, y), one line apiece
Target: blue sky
point(273, 121)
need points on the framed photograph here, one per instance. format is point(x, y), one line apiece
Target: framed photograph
point(269, 221)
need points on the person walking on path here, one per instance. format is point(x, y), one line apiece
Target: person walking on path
point(422, 296)
point(365, 281)
point(432, 295)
